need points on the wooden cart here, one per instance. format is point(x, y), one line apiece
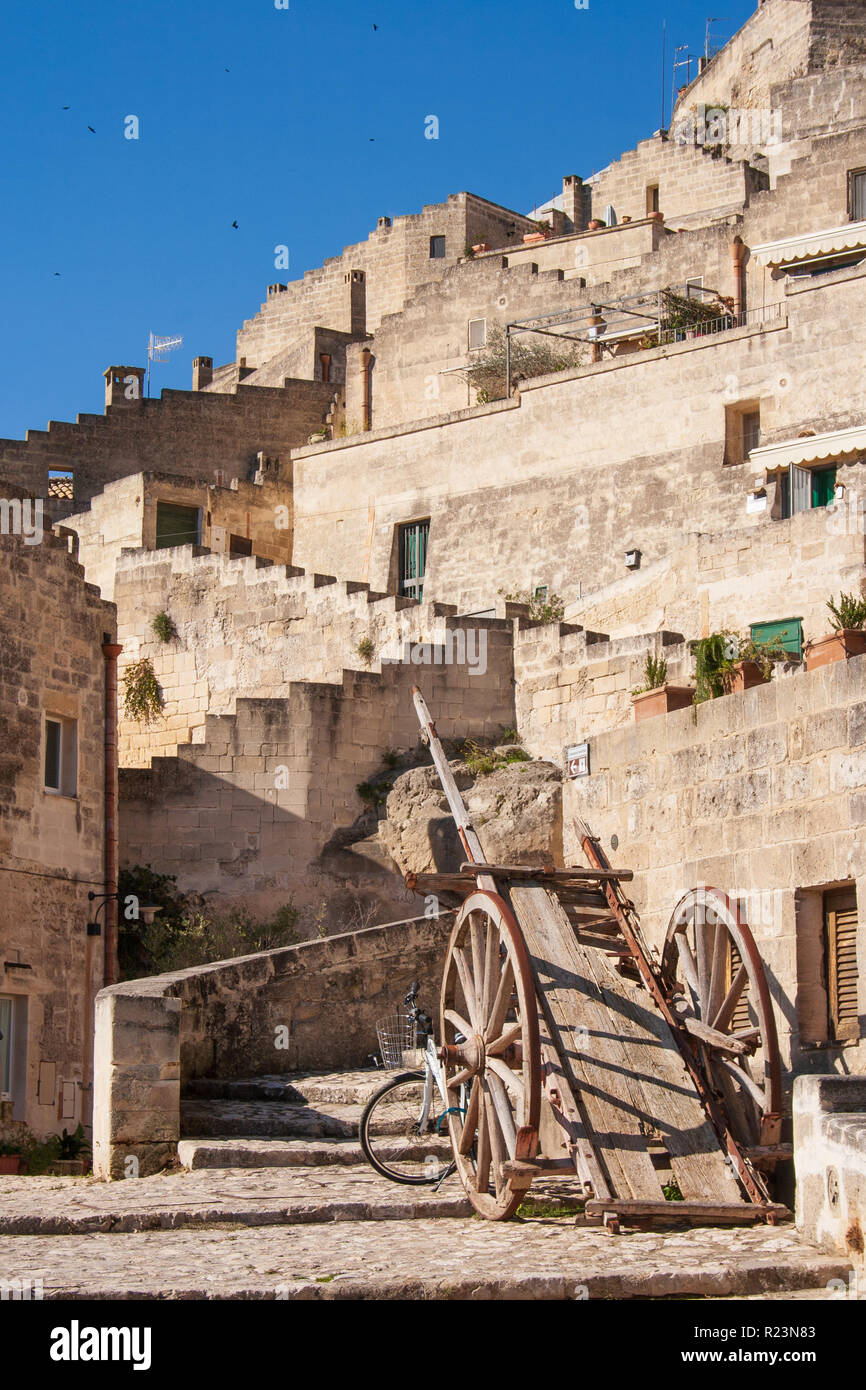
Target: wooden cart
point(586, 1055)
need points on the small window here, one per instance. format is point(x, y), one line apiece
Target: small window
point(61, 755)
point(742, 431)
point(325, 360)
point(5, 1047)
point(177, 525)
point(240, 545)
point(840, 955)
point(652, 198)
point(437, 248)
point(539, 593)
point(802, 489)
point(61, 483)
point(477, 333)
point(413, 558)
point(857, 195)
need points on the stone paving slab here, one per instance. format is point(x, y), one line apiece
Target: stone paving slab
point(315, 1088)
point(264, 1152)
point(423, 1259)
point(56, 1206)
point(248, 1118)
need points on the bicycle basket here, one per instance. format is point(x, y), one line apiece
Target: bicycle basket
point(396, 1034)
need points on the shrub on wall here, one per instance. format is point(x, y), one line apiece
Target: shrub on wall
point(142, 697)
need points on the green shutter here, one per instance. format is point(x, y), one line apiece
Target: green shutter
point(823, 485)
point(788, 632)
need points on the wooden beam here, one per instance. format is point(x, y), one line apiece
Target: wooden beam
point(547, 871)
point(719, 1213)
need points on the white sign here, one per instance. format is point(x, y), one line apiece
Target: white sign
point(577, 760)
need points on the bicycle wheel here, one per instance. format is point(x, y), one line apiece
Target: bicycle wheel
point(392, 1137)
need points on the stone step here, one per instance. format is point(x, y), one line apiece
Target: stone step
point(267, 1118)
point(341, 1088)
point(205, 1152)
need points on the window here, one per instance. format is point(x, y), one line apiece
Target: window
point(840, 956)
point(61, 755)
point(240, 545)
point(802, 489)
point(325, 359)
point(477, 333)
point(652, 198)
point(787, 633)
point(742, 430)
point(5, 1047)
point(61, 484)
point(437, 248)
point(857, 195)
point(413, 558)
point(177, 525)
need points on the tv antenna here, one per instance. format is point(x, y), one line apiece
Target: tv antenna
point(679, 62)
point(713, 19)
point(158, 350)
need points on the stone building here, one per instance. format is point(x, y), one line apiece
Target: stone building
point(58, 831)
point(343, 489)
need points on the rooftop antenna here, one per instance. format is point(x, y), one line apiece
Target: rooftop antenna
point(158, 350)
point(664, 45)
point(680, 63)
point(713, 19)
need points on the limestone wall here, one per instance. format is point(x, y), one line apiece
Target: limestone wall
point(223, 1020)
point(758, 793)
point(193, 434)
point(51, 846)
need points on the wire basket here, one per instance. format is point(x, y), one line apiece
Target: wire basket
point(396, 1034)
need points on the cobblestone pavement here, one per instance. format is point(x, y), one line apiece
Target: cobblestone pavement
point(423, 1259)
point(261, 1196)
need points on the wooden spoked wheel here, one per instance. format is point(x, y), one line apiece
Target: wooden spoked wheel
point(492, 1057)
point(712, 962)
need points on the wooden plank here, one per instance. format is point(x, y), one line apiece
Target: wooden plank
point(547, 871)
point(726, 1213)
point(593, 1060)
point(631, 1062)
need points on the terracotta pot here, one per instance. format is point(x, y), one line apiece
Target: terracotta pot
point(595, 225)
point(482, 246)
point(661, 701)
point(530, 238)
point(747, 674)
point(10, 1163)
point(838, 646)
point(625, 219)
point(656, 216)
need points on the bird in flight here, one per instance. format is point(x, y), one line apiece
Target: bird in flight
point(67, 108)
point(234, 224)
point(57, 272)
point(90, 128)
point(375, 26)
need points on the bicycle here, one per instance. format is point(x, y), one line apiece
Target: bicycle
point(404, 1129)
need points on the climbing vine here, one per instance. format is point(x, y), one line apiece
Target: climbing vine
point(142, 697)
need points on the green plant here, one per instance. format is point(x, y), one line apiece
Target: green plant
point(763, 654)
point(164, 627)
point(142, 697)
point(543, 607)
point(714, 664)
point(11, 1149)
point(849, 612)
point(510, 735)
point(391, 758)
point(527, 359)
point(74, 1145)
point(672, 1192)
point(481, 759)
point(376, 793)
point(366, 649)
point(39, 1154)
point(655, 673)
point(683, 312)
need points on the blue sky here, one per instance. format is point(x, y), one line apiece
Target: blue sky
point(316, 130)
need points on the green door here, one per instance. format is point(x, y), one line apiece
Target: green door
point(823, 486)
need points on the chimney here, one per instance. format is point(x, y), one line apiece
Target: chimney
point(123, 385)
point(202, 372)
point(574, 202)
point(356, 281)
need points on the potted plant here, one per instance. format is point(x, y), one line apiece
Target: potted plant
point(848, 620)
point(10, 1159)
point(541, 233)
point(596, 224)
point(479, 248)
point(655, 696)
point(74, 1155)
point(753, 663)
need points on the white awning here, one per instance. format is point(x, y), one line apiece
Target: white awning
point(836, 241)
point(815, 448)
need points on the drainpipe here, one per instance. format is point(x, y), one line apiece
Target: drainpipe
point(365, 389)
point(738, 253)
point(111, 651)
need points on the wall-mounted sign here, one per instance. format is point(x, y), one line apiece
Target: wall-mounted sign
point(577, 760)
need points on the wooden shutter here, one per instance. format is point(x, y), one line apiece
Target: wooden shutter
point(741, 1017)
point(840, 928)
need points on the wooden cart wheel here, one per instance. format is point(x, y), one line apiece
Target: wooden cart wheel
point(711, 958)
point(489, 1004)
